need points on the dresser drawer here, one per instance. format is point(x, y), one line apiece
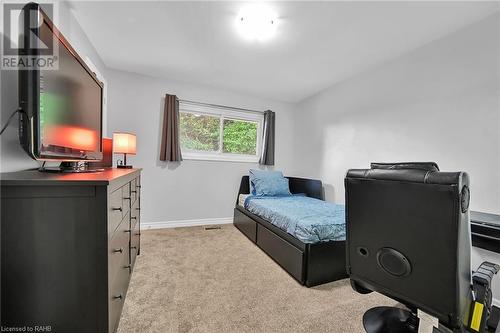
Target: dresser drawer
point(115, 210)
point(118, 249)
point(138, 187)
point(127, 199)
point(117, 293)
point(135, 214)
point(135, 243)
point(133, 191)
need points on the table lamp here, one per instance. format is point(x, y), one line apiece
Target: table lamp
point(124, 143)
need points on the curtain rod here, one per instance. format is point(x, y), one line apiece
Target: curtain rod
point(219, 106)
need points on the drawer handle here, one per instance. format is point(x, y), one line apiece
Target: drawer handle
point(117, 208)
point(118, 250)
point(126, 198)
point(138, 208)
point(137, 233)
point(138, 186)
point(133, 191)
point(128, 230)
point(133, 218)
point(133, 247)
point(129, 267)
point(119, 296)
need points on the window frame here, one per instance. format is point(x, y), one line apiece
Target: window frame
point(229, 114)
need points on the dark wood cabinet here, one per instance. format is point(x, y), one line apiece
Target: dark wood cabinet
point(68, 248)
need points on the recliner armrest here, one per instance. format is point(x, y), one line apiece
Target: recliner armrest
point(485, 273)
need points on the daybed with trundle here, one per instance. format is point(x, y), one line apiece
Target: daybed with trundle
point(310, 263)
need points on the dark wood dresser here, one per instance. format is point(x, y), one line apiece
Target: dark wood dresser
point(68, 248)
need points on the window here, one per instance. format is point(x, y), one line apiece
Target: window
point(212, 133)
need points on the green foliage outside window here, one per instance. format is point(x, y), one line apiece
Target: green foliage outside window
point(240, 137)
point(202, 133)
point(199, 132)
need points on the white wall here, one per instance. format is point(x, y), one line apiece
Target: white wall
point(12, 157)
point(438, 103)
point(189, 190)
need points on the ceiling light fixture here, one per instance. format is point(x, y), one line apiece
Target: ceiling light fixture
point(257, 22)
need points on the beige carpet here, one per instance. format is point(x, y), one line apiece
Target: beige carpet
point(196, 280)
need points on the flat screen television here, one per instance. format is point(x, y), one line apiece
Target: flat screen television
point(62, 108)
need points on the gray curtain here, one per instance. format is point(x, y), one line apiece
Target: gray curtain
point(170, 144)
point(267, 155)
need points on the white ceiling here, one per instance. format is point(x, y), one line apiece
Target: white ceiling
point(317, 43)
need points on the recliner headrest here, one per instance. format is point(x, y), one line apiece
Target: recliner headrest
point(415, 172)
point(428, 166)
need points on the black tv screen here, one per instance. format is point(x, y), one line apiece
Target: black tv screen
point(63, 105)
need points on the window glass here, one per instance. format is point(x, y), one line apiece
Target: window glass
point(220, 134)
point(240, 137)
point(199, 132)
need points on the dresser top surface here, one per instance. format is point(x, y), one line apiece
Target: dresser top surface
point(35, 177)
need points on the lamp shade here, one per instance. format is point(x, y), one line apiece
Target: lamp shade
point(124, 143)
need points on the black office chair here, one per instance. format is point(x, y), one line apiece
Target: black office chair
point(408, 237)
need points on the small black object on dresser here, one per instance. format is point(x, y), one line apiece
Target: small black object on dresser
point(68, 247)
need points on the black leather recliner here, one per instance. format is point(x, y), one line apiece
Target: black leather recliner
point(408, 237)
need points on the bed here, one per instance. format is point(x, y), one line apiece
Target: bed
point(310, 252)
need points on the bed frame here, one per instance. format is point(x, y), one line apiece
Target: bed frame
point(309, 264)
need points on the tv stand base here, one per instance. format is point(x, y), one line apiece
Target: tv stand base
point(71, 167)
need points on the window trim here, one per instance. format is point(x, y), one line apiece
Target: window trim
point(223, 114)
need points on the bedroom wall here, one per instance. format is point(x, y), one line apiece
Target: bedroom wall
point(12, 157)
point(438, 103)
point(192, 191)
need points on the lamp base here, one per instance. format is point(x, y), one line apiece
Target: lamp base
point(121, 166)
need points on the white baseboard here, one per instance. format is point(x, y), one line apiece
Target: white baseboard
point(185, 223)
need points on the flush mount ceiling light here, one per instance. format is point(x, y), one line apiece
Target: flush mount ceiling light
point(257, 22)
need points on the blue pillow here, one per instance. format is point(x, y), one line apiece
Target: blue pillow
point(273, 187)
point(261, 174)
point(268, 183)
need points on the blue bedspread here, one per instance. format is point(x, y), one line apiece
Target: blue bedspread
point(307, 219)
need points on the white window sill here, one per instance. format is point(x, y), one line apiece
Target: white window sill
point(220, 158)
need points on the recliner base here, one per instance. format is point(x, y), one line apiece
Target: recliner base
point(386, 319)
